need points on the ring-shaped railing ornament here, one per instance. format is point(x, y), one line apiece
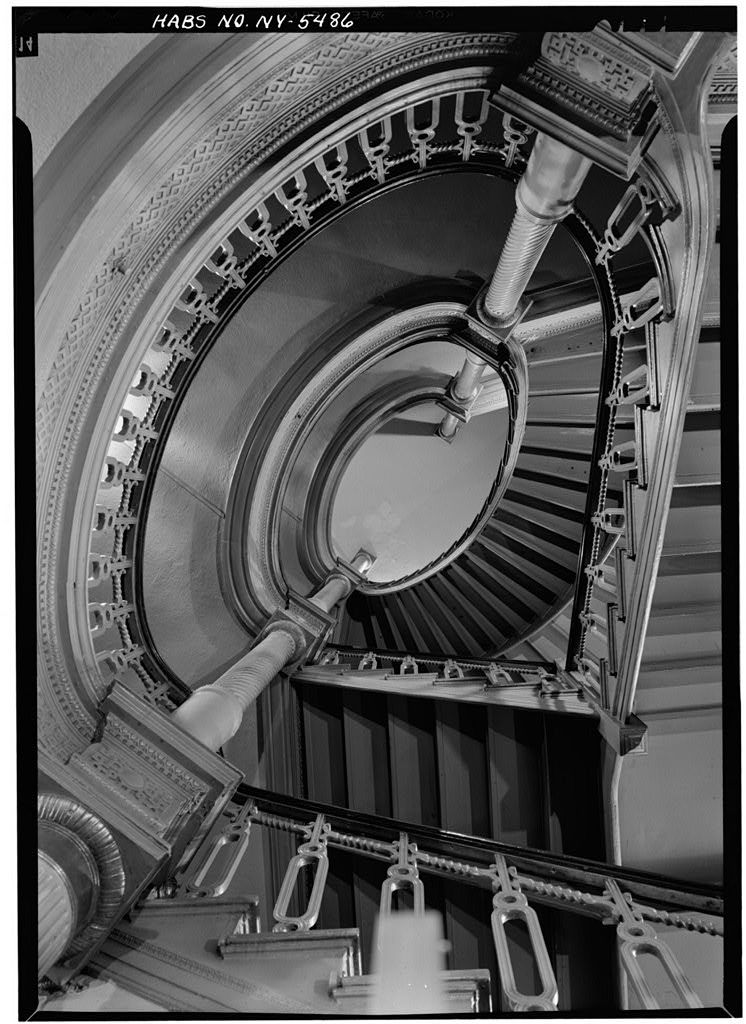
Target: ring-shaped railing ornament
point(389, 150)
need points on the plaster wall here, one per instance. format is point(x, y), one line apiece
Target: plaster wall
point(671, 800)
point(53, 89)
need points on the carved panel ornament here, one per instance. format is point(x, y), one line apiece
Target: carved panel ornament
point(724, 85)
point(580, 55)
point(594, 91)
point(155, 788)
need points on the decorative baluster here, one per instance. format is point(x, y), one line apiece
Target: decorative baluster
point(130, 428)
point(423, 135)
point(153, 692)
point(101, 617)
point(516, 134)
point(312, 852)
point(469, 130)
point(510, 904)
point(497, 676)
point(172, 340)
point(235, 833)
point(646, 305)
point(294, 199)
point(196, 302)
point(611, 520)
point(224, 262)
point(258, 229)
point(118, 661)
point(597, 578)
point(335, 173)
point(403, 875)
point(99, 568)
point(636, 937)
point(638, 207)
point(146, 384)
point(451, 670)
point(376, 152)
point(104, 518)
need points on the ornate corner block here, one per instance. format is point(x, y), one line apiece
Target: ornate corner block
point(126, 856)
point(140, 799)
point(489, 331)
point(159, 777)
point(594, 92)
point(624, 737)
point(346, 571)
point(306, 621)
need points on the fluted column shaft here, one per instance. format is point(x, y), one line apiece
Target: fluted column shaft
point(338, 587)
point(545, 194)
point(214, 713)
point(56, 910)
point(523, 249)
point(464, 386)
point(68, 890)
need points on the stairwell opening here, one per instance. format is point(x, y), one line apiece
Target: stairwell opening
point(405, 494)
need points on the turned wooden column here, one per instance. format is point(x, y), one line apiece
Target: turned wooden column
point(545, 194)
point(214, 712)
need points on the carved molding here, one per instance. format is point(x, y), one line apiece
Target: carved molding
point(224, 981)
point(724, 85)
point(611, 70)
point(152, 785)
point(593, 90)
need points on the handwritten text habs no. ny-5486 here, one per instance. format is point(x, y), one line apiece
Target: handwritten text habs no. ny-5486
point(255, 21)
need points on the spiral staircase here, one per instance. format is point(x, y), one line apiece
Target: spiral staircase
point(521, 569)
point(272, 304)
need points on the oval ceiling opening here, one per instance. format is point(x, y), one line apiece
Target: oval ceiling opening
point(406, 495)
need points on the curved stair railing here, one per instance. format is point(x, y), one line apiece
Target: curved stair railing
point(511, 881)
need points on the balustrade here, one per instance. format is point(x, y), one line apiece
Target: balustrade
point(513, 878)
point(613, 598)
point(539, 686)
